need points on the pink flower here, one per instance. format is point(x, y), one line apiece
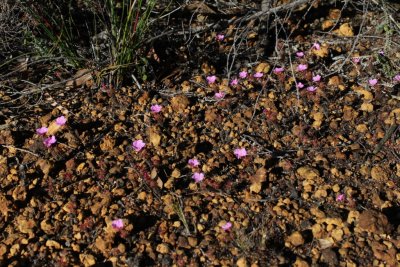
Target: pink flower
point(258, 75)
point(372, 82)
point(311, 89)
point(61, 121)
point(234, 82)
point(42, 130)
point(211, 79)
point(117, 224)
point(198, 176)
point(219, 95)
point(300, 54)
point(138, 145)
point(278, 70)
point(220, 37)
point(316, 78)
point(227, 226)
point(340, 198)
point(397, 78)
point(316, 46)
point(240, 152)
point(243, 74)
point(156, 108)
point(48, 142)
point(193, 162)
point(356, 60)
point(302, 67)
point(300, 85)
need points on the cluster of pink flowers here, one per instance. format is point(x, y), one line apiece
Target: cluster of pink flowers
point(316, 46)
point(300, 54)
point(117, 224)
point(278, 70)
point(240, 152)
point(243, 74)
point(197, 176)
point(234, 82)
point(340, 198)
point(316, 78)
point(219, 95)
point(302, 67)
point(51, 140)
point(156, 108)
point(227, 226)
point(211, 79)
point(373, 82)
point(312, 88)
point(220, 37)
point(258, 75)
point(138, 145)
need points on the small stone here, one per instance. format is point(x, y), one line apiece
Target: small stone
point(321, 193)
point(296, 239)
point(337, 234)
point(373, 222)
point(192, 241)
point(163, 248)
point(336, 188)
point(300, 263)
point(183, 242)
point(378, 173)
point(242, 262)
point(308, 173)
point(52, 243)
point(329, 256)
point(87, 259)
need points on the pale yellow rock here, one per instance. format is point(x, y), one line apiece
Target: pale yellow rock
point(3, 250)
point(367, 95)
point(322, 52)
point(53, 244)
point(263, 67)
point(300, 263)
point(242, 262)
point(308, 173)
point(352, 216)
point(321, 193)
point(326, 242)
point(334, 221)
point(368, 107)
point(154, 135)
point(336, 188)
point(337, 234)
point(87, 259)
point(163, 248)
point(296, 239)
point(318, 117)
point(345, 30)
point(317, 212)
point(192, 241)
point(14, 249)
point(361, 128)
point(378, 173)
point(176, 173)
point(317, 230)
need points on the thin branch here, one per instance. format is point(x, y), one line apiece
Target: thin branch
point(20, 149)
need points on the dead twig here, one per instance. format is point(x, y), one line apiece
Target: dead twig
point(265, 13)
point(20, 149)
point(388, 134)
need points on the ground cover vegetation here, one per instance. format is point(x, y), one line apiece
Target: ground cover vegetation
point(199, 133)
